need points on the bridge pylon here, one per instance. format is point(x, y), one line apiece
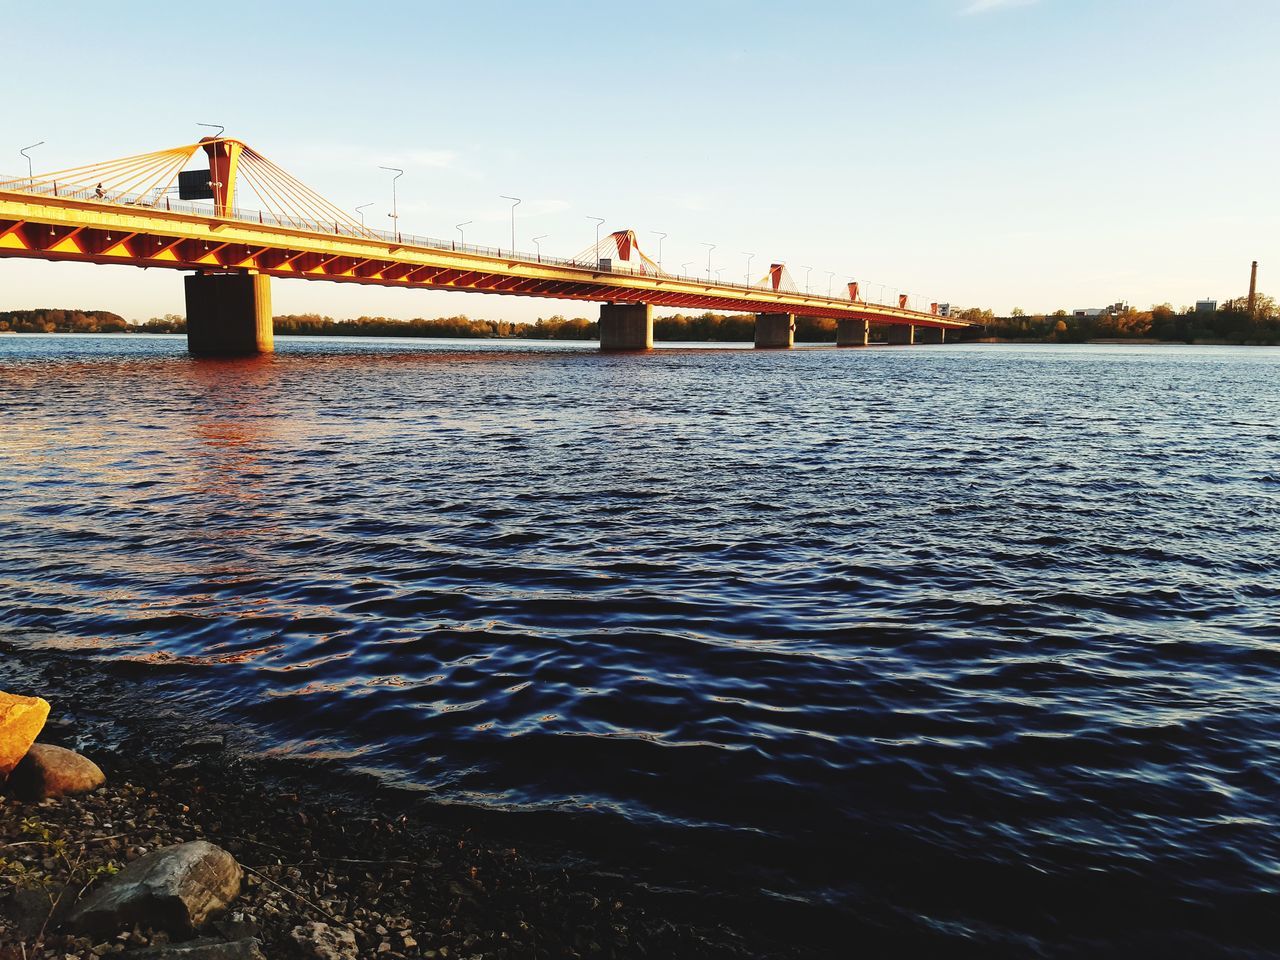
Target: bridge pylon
point(853, 333)
point(224, 166)
point(229, 314)
point(775, 331)
point(626, 326)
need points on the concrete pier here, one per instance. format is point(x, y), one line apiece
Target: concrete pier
point(853, 333)
point(229, 314)
point(626, 326)
point(931, 335)
point(775, 331)
point(900, 334)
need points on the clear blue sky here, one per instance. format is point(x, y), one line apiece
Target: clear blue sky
point(1041, 154)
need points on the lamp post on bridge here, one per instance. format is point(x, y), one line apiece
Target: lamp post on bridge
point(462, 237)
point(538, 246)
point(395, 211)
point(831, 279)
point(710, 247)
point(599, 221)
point(750, 257)
point(661, 236)
point(360, 212)
point(31, 177)
point(807, 271)
point(515, 202)
point(685, 266)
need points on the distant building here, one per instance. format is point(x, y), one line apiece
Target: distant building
point(1206, 306)
point(1113, 310)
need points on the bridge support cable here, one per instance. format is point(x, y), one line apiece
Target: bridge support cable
point(148, 180)
point(778, 278)
point(620, 250)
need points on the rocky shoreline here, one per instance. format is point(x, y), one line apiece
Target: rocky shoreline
point(325, 874)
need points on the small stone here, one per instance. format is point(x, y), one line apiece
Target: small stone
point(21, 720)
point(323, 942)
point(211, 743)
point(175, 889)
point(246, 949)
point(48, 772)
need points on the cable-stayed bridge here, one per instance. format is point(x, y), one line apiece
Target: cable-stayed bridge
point(150, 210)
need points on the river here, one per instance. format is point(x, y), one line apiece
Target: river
point(975, 646)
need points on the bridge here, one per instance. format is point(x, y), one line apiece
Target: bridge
point(149, 210)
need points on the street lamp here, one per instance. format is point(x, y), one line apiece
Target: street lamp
point(750, 257)
point(831, 278)
point(360, 211)
point(538, 245)
point(30, 175)
point(462, 237)
point(598, 220)
point(710, 247)
point(719, 270)
point(685, 266)
point(395, 211)
point(661, 236)
point(515, 202)
point(807, 271)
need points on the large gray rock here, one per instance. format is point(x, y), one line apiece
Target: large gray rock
point(247, 949)
point(324, 942)
point(175, 889)
point(48, 771)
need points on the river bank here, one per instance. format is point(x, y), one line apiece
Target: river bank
point(315, 848)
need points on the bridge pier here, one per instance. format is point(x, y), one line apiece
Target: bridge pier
point(900, 334)
point(626, 326)
point(775, 331)
point(229, 314)
point(853, 333)
point(931, 334)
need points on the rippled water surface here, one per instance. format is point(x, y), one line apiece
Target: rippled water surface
point(976, 647)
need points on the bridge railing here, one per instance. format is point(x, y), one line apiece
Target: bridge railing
point(162, 200)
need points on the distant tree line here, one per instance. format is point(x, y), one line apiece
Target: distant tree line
point(717, 327)
point(47, 320)
point(551, 328)
point(701, 327)
point(1231, 322)
point(734, 328)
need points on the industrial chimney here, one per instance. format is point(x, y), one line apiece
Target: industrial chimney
point(1253, 289)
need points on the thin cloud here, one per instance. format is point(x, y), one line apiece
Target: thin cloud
point(990, 6)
